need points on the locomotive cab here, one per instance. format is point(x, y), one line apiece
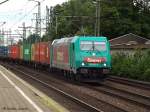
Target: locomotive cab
point(91, 55)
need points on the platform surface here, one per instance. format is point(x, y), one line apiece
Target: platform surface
point(16, 97)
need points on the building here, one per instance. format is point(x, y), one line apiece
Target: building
point(128, 43)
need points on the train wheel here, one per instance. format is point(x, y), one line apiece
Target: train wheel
point(72, 75)
point(65, 74)
point(68, 75)
point(78, 77)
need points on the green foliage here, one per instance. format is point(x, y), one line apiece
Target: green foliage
point(118, 17)
point(32, 39)
point(135, 66)
point(146, 75)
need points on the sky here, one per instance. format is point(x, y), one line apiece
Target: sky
point(15, 12)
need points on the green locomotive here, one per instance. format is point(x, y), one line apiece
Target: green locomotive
point(81, 57)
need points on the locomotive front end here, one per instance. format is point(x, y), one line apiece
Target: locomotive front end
point(94, 56)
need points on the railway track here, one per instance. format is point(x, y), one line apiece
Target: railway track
point(80, 102)
point(130, 82)
point(132, 98)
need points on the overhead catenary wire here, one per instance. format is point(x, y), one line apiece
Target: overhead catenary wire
point(22, 9)
point(28, 13)
point(24, 15)
point(4, 2)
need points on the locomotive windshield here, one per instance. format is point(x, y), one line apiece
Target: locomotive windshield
point(93, 46)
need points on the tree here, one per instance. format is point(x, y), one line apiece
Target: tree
point(118, 17)
point(32, 39)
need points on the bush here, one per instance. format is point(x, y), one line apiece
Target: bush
point(146, 75)
point(136, 66)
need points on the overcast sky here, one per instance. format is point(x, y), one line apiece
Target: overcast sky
point(14, 12)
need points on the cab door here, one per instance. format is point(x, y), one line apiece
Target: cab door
point(72, 55)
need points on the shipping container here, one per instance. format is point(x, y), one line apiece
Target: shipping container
point(21, 52)
point(14, 51)
point(32, 52)
point(3, 51)
point(37, 52)
point(44, 52)
point(27, 52)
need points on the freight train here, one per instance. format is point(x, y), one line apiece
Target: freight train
point(78, 57)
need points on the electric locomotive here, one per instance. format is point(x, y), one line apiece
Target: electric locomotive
point(81, 57)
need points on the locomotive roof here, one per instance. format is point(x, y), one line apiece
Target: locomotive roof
point(62, 40)
point(73, 39)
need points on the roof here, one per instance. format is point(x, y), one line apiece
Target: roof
point(131, 46)
point(129, 41)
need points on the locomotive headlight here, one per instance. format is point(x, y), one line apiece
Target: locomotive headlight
point(93, 54)
point(83, 64)
point(105, 64)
